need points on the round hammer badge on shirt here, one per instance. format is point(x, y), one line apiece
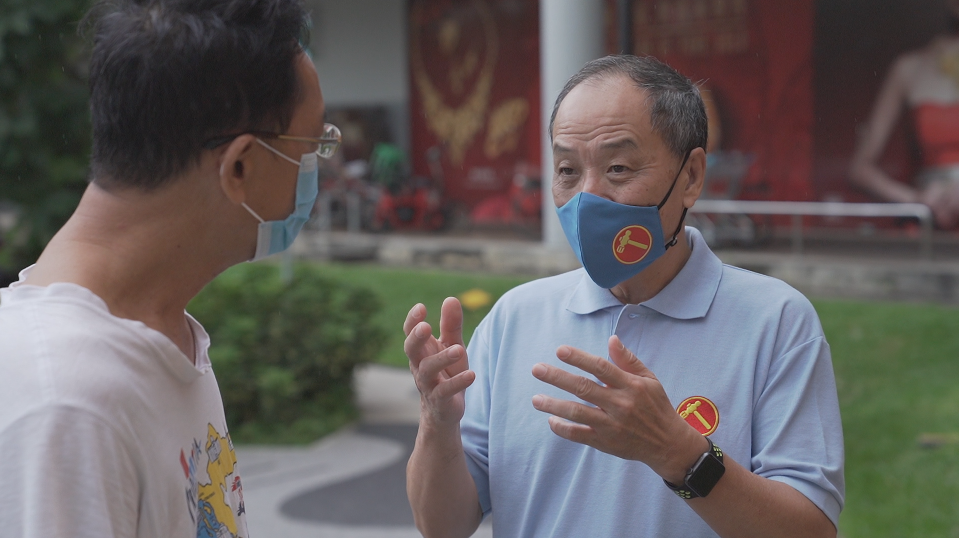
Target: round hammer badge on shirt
point(632, 244)
point(700, 413)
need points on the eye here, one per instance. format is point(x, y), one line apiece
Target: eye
point(617, 169)
point(565, 171)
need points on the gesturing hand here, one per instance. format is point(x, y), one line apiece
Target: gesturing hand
point(440, 366)
point(633, 418)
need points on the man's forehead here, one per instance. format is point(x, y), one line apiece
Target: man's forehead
point(613, 100)
point(617, 87)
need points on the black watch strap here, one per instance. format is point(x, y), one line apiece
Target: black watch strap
point(686, 490)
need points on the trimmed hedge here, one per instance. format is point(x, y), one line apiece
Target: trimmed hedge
point(284, 352)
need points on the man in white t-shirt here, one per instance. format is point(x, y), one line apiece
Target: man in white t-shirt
point(207, 124)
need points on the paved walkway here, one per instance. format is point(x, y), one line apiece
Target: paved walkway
point(351, 484)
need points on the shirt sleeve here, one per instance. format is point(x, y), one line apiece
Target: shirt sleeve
point(797, 429)
point(474, 427)
point(66, 473)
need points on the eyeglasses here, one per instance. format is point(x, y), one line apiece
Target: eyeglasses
point(326, 144)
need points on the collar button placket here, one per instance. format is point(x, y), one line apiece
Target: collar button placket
point(629, 326)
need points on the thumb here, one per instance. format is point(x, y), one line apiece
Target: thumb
point(625, 359)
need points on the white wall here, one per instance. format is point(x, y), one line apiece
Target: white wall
point(360, 51)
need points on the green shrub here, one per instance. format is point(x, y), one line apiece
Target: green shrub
point(284, 352)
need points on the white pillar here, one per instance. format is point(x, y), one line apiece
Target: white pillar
point(570, 34)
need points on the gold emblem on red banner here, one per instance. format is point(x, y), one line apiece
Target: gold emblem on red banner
point(700, 413)
point(504, 128)
point(455, 127)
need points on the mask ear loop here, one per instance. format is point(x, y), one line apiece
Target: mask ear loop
point(274, 150)
point(672, 242)
point(257, 217)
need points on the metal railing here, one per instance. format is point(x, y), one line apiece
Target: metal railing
point(324, 213)
point(797, 210)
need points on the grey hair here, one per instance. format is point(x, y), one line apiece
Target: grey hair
point(677, 114)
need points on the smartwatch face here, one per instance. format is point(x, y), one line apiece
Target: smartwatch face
point(708, 471)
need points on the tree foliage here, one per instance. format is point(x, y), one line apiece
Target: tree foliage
point(44, 121)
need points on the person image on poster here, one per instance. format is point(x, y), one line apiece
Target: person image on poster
point(923, 84)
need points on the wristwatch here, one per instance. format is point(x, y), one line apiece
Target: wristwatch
point(702, 476)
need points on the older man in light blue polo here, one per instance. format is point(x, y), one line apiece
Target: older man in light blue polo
point(655, 392)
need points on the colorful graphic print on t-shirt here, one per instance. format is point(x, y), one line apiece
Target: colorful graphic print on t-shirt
point(214, 493)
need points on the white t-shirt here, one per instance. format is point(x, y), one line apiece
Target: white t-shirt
point(106, 427)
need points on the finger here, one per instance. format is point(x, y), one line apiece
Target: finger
point(416, 346)
point(416, 315)
point(605, 371)
point(573, 411)
point(451, 322)
point(578, 433)
point(431, 367)
point(626, 360)
point(577, 385)
point(451, 331)
point(454, 385)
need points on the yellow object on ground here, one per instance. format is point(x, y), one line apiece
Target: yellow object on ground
point(475, 299)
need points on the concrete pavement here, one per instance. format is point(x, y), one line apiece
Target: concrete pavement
point(351, 484)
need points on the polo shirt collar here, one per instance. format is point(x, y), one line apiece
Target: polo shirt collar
point(688, 296)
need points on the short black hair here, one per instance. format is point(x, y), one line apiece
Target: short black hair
point(677, 112)
point(166, 75)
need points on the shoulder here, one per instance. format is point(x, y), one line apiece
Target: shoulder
point(915, 61)
point(766, 304)
point(758, 289)
point(58, 354)
point(914, 67)
point(912, 59)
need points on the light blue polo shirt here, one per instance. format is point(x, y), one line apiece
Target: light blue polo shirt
point(748, 343)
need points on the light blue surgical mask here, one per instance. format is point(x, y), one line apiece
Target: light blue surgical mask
point(277, 235)
point(614, 242)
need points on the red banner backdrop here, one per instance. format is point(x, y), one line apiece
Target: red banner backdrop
point(756, 59)
point(474, 70)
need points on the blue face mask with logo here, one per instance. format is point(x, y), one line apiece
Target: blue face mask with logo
point(277, 235)
point(615, 242)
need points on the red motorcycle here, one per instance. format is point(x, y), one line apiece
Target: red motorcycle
point(407, 202)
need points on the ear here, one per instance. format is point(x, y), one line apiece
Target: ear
point(235, 166)
point(696, 176)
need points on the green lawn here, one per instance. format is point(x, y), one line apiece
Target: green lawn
point(897, 369)
point(400, 289)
